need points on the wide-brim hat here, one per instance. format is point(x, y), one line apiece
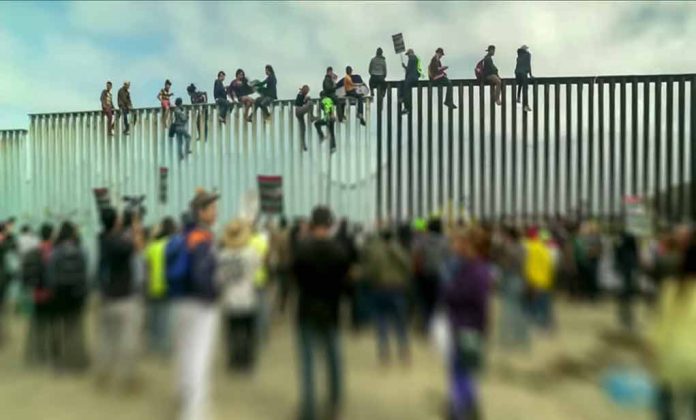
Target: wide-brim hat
point(203, 199)
point(237, 234)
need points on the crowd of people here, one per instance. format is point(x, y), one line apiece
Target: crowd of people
point(334, 96)
point(169, 286)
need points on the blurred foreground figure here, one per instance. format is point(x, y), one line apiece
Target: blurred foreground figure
point(674, 341)
point(539, 271)
point(238, 263)
point(430, 253)
point(195, 314)
point(466, 299)
point(510, 255)
point(320, 268)
point(34, 278)
point(388, 266)
point(120, 314)
point(67, 284)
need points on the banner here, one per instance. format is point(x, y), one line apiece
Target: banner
point(399, 45)
point(271, 194)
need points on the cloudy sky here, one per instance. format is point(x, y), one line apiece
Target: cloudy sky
point(56, 56)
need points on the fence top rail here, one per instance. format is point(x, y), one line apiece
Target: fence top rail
point(210, 105)
point(572, 80)
point(646, 78)
point(13, 131)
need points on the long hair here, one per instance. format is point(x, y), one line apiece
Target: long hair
point(66, 233)
point(269, 68)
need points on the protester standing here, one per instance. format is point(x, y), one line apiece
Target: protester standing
point(157, 302)
point(120, 310)
point(238, 262)
point(510, 256)
point(539, 272)
point(67, 285)
point(466, 299)
point(626, 262)
point(430, 254)
point(320, 268)
point(438, 76)
point(523, 72)
point(378, 75)
point(388, 266)
point(125, 106)
point(195, 312)
point(107, 105)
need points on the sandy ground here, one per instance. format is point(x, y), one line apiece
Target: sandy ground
point(558, 379)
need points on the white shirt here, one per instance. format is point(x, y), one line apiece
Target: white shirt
point(235, 274)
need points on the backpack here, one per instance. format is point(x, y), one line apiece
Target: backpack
point(69, 279)
point(478, 70)
point(177, 264)
point(33, 269)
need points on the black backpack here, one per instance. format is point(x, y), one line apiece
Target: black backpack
point(33, 269)
point(69, 277)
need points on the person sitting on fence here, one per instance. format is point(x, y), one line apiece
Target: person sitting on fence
point(107, 104)
point(268, 91)
point(328, 87)
point(413, 73)
point(220, 95)
point(436, 73)
point(183, 138)
point(523, 72)
point(328, 109)
point(240, 91)
point(354, 87)
point(378, 74)
point(303, 106)
point(199, 98)
point(164, 96)
point(125, 106)
point(490, 73)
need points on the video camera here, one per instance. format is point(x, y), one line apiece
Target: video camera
point(134, 208)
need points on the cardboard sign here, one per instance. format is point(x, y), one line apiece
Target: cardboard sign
point(271, 194)
point(399, 45)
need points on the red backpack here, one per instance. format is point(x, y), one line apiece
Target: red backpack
point(478, 70)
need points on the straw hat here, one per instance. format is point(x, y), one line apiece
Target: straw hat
point(237, 234)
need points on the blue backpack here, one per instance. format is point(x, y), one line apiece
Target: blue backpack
point(177, 265)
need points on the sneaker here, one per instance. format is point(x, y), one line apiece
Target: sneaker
point(527, 109)
point(405, 111)
point(250, 119)
point(451, 105)
point(333, 149)
point(362, 121)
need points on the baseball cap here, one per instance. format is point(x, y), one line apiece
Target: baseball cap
point(490, 47)
point(203, 199)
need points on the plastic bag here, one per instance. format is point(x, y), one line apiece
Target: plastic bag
point(441, 335)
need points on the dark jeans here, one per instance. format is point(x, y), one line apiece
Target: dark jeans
point(406, 93)
point(626, 299)
point(39, 345)
point(346, 102)
point(463, 393)
point(330, 123)
point(444, 81)
point(69, 334)
point(264, 102)
point(665, 404)
point(427, 287)
point(380, 85)
point(126, 126)
point(183, 140)
point(157, 324)
point(541, 309)
point(522, 87)
point(241, 341)
point(390, 308)
point(310, 339)
point(223, 106)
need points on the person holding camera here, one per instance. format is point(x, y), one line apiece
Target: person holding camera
point(120, 311)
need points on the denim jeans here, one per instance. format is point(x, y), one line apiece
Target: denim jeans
point(406, 92)
point(541, 309)
point(463, 393)
point(264, 102)
point(241, 341)
point(390, 308)
point(157, 322)
point(522, 87)
point(301, 115)
point(310, 338)
point(346, 103)
point(330, 123)
point(444, 81)
point(126, 126)
point(380, 85)
point(183, 140)
point(223, 106)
